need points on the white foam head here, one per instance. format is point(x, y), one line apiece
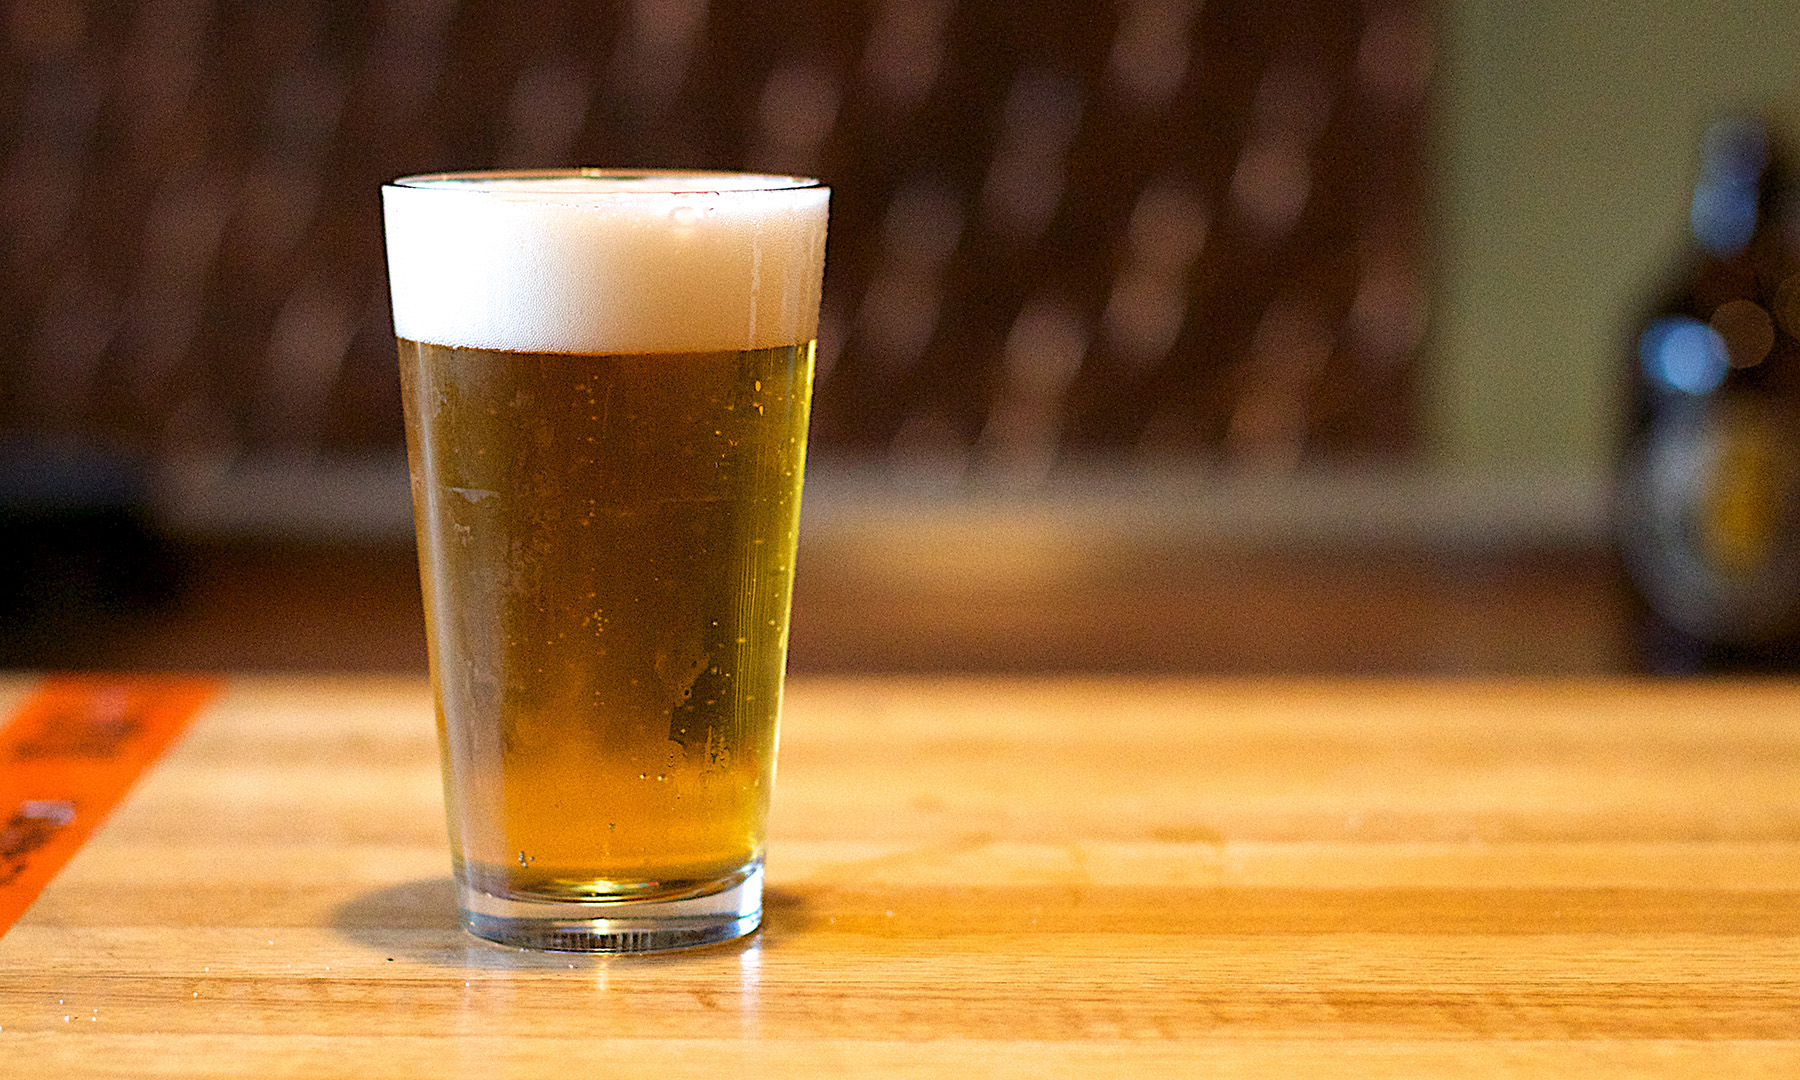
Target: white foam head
point(593, 262)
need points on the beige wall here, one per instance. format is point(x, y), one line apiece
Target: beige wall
point(1567, 148)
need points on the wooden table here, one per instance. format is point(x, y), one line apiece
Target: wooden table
point(985, 878)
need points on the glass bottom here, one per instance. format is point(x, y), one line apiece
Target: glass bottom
point(616, 926)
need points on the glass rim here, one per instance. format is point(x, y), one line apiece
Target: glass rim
point(653, 181)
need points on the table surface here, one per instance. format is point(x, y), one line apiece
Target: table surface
point(993, 877)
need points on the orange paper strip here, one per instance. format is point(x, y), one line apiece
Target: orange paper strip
point(68, 756)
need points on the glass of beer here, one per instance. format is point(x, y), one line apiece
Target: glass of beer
point(606, 379)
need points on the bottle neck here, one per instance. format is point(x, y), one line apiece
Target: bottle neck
point(1732, 192)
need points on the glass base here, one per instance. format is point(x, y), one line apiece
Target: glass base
point(616, 926)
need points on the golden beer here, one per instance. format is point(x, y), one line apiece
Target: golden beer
point(606, 381)
point(607, 549)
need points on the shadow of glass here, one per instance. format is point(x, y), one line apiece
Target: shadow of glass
point(417, 921)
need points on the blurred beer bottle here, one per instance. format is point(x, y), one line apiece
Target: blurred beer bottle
point(1708, 510)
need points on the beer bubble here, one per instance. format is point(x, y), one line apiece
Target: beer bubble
point(586, 266)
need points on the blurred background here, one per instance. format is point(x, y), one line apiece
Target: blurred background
point(1158, 335)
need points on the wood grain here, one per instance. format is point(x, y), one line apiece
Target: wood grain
point(995, 877)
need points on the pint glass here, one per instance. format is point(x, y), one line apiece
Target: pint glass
point(606, 379)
